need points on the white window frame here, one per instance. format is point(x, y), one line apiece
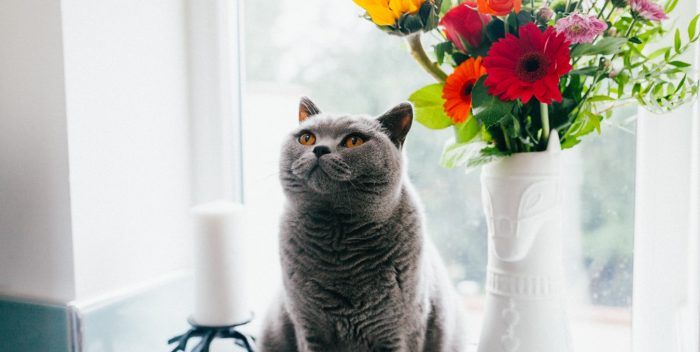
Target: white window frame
point(216, 79)
point(666, 307)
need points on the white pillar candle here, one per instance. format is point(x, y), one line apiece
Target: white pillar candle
point(219, 265)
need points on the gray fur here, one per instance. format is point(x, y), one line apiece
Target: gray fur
point(359, 274)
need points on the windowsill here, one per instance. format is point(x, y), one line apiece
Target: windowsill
point(589, 325)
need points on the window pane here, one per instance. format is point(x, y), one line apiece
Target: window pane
point(325, 50)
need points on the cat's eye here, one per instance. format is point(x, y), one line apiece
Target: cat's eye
point(307, 138)
point(353, 141)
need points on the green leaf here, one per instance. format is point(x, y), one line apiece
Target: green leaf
point(598, 98)
point(635, 40)
point(485, 134)
point(680, 64)
point(495, 30)
point(446, 6)
point(441, 49)
point(586, 71)
point(657, 53)
point(487, 108)
point(466, 131)
point(512, 126)
point(428, 103)
point(604, 46)
point(692, 28)
point(681, 84)
point(458, 154)
point(585, 123)
point(471, 155)
point(486, 155)
point(627, 59)
point(512, 22)
point(570, 142)
point(636, 88)
point(516, 20)
point(635, 50)
point(430, 14)
point(670, 5)
point(677, 41)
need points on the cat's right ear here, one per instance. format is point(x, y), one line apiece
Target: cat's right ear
point(397, 122)
point(307, 108)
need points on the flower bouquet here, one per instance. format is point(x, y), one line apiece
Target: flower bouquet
point(518, 82)
point(510, 71)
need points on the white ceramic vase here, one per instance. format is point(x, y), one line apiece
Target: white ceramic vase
point(525, 308)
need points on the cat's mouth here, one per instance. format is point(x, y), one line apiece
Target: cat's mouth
point(320, 173)
point(335, 168)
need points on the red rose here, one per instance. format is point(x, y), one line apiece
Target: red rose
point(465, 25)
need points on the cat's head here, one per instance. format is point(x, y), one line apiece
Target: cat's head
point(344, 157)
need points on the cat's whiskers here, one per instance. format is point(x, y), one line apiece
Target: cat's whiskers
point(265, 177)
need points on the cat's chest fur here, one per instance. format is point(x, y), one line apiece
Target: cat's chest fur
point(351, 268)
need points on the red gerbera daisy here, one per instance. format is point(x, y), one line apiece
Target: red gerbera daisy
point(531, 64)
point(457, 91)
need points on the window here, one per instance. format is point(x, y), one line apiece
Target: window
point(346, 65)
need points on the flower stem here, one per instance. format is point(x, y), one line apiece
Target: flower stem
point(603, 8)
point(422, 58)
point(544, 114)
point(593, 85)
point(629, 30)
point(506, 138)
point(612, 10)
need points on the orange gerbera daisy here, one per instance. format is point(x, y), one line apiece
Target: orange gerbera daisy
point(457, 91)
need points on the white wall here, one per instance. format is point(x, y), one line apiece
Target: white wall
point(126, 84)
point(95, 183)
point(36, 257)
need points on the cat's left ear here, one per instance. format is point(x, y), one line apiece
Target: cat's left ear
point(397, 122)
point(307, 108)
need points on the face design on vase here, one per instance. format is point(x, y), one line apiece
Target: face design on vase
point(516, 209)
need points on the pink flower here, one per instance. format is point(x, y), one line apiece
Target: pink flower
point(579, 28)
point(544, 14)
point(465, 25)
point(648, 10)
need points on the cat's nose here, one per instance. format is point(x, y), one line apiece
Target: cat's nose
point(321, 150)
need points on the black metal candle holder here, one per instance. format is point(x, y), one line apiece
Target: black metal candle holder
point(209, 333)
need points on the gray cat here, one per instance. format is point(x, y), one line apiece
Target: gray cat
point(359, 273)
